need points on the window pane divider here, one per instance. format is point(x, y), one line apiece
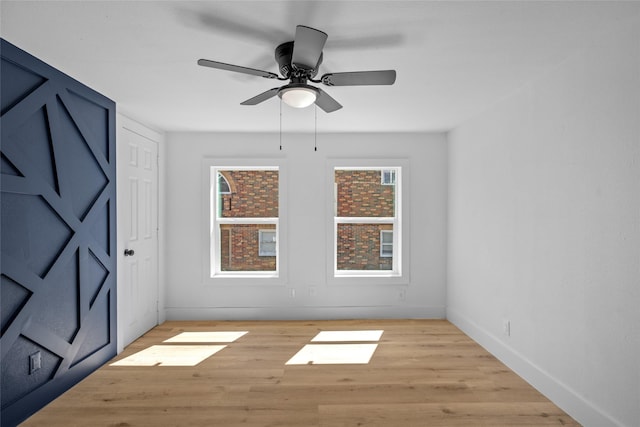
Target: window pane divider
point(257, 220)
point(365, 220)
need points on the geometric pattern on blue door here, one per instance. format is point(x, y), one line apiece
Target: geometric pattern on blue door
point(58, 232)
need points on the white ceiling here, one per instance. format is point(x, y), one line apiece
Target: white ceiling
point(453, 58)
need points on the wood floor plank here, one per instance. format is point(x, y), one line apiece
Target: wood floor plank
point(445, 414)
point(423, 372)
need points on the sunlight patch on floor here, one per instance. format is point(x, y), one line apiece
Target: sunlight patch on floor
point(209, 337)
point(333, 354)
point(170, 355)
point(337, 336)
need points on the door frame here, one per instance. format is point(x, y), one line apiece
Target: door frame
point(124, 123)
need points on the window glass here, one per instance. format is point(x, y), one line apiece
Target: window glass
point(359, 193)
point(365, 216)
point(245, 226)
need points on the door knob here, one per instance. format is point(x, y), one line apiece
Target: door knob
point(128, 252)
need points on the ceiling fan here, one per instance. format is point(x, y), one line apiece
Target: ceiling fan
point(298, 62)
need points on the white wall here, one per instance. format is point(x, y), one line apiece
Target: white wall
point(544, 231)
point(191, 296)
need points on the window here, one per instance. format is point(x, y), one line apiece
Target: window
point(267, 243)
point(244, 221)
point(386, 244)
point(223, 185)
point(366, 219)
point(388, 177)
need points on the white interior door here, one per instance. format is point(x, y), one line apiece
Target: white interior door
point(138, 235)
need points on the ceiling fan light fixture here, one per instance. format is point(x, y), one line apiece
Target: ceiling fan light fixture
point(298, 96)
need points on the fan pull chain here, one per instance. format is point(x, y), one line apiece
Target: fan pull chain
point(315, 130)
point(281, 125)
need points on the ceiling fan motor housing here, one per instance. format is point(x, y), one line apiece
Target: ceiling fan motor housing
point(283, 55)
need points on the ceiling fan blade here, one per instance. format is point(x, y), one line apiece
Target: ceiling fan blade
point(360, 78)
point(262, 97)
point(215, 20)
point(236, 68)
point(307, 47)
point(326, 102)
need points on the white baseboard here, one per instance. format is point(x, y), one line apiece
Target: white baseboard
point(303, 313)
point(562, 395)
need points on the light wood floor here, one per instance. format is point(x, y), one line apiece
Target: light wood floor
point(423, 373)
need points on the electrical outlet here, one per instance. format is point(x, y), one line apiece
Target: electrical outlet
point(35, 362)
point(292, 292)
point(506, 327)
point(402, 295)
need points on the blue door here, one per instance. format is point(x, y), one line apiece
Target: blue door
point(58, 232)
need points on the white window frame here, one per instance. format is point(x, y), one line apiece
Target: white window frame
point(212, 273)
point(399, 274)
point(383, 244)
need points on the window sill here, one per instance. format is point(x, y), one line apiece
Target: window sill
point(245, 275)
point(245, 280)
point(368, 280)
